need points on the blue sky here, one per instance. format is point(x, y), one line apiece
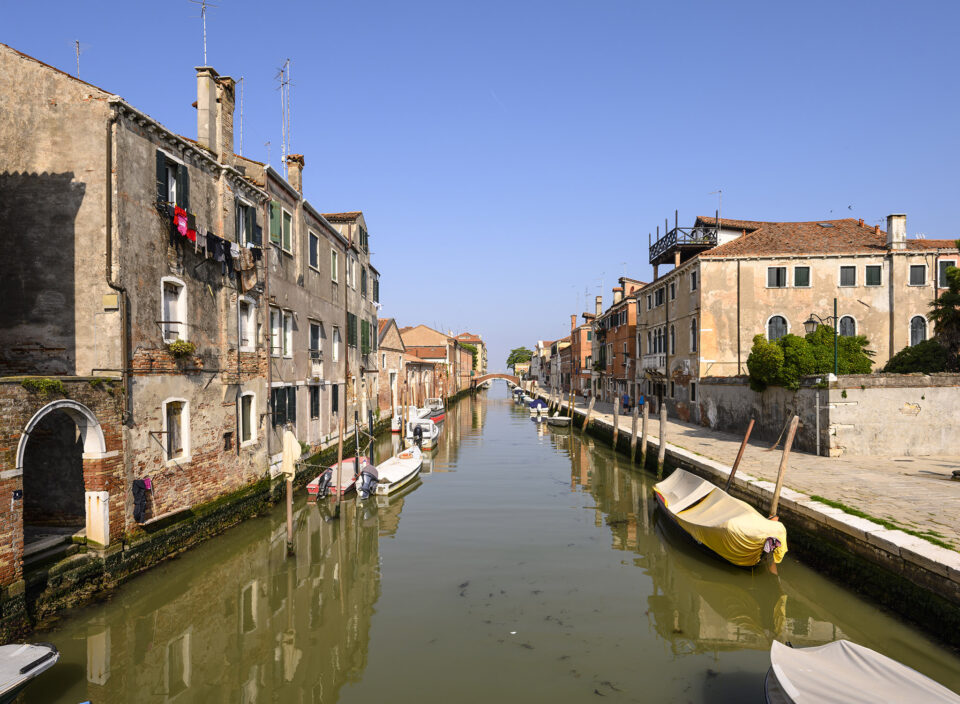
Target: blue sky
point(509, 156)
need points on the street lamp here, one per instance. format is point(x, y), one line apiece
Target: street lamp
point(810, 325)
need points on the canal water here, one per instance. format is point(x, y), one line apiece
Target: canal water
point(526, 564)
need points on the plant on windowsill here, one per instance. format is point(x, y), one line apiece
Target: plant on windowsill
point(181, 349)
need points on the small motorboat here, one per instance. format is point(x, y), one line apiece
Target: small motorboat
point(399, 470)
point(538, 407)
point(367, 482)
point(558, 421)
point(843, 672)
point(324, 482)
point(425, 429)
point(436, 410)
point(20, 663)
point(731, 528)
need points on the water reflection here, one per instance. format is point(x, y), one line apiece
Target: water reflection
point(235, 617)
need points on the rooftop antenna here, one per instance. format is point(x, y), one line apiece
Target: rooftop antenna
point(283, 77)
point(78, 49)
point(241, 115)
point(719, 194)
point(204, 4)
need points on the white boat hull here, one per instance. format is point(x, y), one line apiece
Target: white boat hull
point(399, 470)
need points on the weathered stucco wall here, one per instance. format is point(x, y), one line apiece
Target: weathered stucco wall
point(871, 414)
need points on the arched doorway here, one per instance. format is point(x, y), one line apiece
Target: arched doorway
point(54, 447)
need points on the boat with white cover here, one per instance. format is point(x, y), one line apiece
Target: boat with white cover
point(399, 470)
point(846, 673)
point(430, 431)
point(20, 663)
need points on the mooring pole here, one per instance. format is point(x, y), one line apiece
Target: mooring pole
point(633, 433)
point(370, 427)
point(616, 419)
point(289, 515)
point(783, 465)
point(339, 463)
point(573, 401)
point(643, 433)
point(662, 452)
point(586, 418)
point(743, 446)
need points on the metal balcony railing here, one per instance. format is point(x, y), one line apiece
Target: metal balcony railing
point(686, 239)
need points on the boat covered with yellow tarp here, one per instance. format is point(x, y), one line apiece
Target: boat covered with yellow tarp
point(732, 528)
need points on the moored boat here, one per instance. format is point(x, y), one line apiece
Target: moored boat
point(399, 470)
point(538, 407)
point(436, 410)
point(428, 431)
point(325, 482)
point(842, 672)
point(558, 421)
point(20, 663)
point(729, 527)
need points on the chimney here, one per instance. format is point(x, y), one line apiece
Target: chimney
point(226, 100)
point(897, 231)
point(617, 295)
point(599, 306)
point(573, 322)
point(207, 107)
point(295, 171)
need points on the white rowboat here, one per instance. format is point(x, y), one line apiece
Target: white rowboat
point(20, 663)
point(399, 470)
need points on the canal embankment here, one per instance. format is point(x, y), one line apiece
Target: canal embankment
point(86, 574)
point(904, 571)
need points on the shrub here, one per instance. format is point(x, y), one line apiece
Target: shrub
point(181, 348)
point(765, 363)
point(927, 357)
point(783, 362)
point(43, 386)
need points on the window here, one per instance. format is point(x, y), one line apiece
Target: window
point(693, 281)
point(173, 182)
point(848, 276)
point(383, 360)
point(801, 276)
point(776, 327)
point(246, 324)
point(336, 344)
point(693, 392)
point(589, 335)
point(173, 310)
point(624, 349)
point(283, 400)
point(364, 337)
point(287, 232)
point(335, 398)
point(673, 291)
point(176, 429)
point(918, 274)
point(316, 334)
point(275, 329)
point(649, 342)
point(351, 272)
point(314, 252)
point(275, 215)
point(334, 262)
point(847, 327)
point(351, 330)
point(872, 277)
point(673, 390)
point(245, 218)
point(363, 282)
point(649, 301)
point(658, 297)
point(673, 340)
point(248, 423)
point(918, 330)
point(314, 402)
point(942, 267)
point(376, 289)
point(287, 334)
point(776, 276)
point(693, 335)
point(610, 354)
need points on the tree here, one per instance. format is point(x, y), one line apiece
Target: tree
point(472, 349)
point(785, 361)
point(927, 357)
point(518, 355)
point(765, 363)
point(945, 315)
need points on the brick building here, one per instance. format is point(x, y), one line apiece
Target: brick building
point(615, 331)
point(392, 370)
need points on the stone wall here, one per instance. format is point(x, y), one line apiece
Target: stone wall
point(869, 414)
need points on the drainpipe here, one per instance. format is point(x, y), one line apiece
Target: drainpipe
point(121, 291)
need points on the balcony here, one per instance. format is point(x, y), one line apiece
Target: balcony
point(654, 362)
point(685, 241)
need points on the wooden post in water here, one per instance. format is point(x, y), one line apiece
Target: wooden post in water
point(586, 418)
point(783, 465)
point(743, 446)
point(573, 401)
point(289, 515)
point(633, 433)
point(616, 420)
point(643, 433)
point(662, 452)
point(339, 462)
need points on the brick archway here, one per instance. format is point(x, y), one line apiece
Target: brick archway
point(509, 377)
point(94, 457)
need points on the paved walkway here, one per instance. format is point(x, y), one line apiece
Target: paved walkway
point(916, 493)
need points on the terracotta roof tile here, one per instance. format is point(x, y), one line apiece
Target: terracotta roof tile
point(343, 217)
point(847, 236)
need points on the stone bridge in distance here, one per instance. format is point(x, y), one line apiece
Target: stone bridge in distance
point(486, 377)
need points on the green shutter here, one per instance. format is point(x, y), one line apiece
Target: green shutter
point(365, 337)
point(275, 214)
point(237, 213)
point(183, 187)
point(292, 404)
point(162, 196)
